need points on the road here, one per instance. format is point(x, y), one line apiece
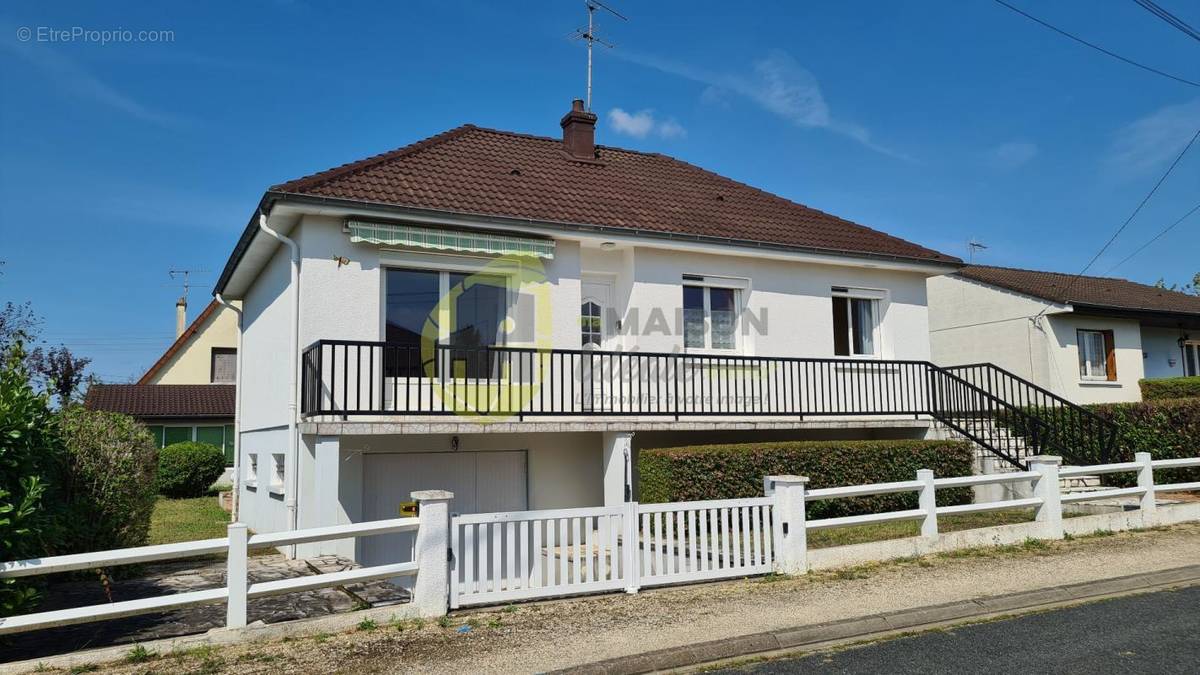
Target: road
point(1152, 633)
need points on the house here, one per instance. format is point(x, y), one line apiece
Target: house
point(1088, 339)
point(512, 317)
point(189, 392)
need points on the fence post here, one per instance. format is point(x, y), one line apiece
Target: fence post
point(791, 541)
point(632, 546)
point(1149, 505)
point(236, 581)
point(927, 499)
point(1048, 488)
point(432, 552)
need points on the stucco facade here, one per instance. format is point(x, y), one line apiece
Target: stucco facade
point(191, 362)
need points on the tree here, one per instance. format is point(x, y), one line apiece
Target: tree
point(62, 372)
point(1192, 288)
point(17, 320)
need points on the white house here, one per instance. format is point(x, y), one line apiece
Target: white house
point(512, 317)
point(1088, 339)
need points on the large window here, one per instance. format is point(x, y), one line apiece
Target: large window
point(855, 324)
point(218, 435)
point(709, 317)
point(223, 369)
point(1097, 358)
point(591, 324)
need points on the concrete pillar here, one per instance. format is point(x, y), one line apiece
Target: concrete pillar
point(791, 536)
point(1149, 504)
point(927, 499)
point(618, 472)
point(431, 591)
point(1046, 486)
point(325, 507)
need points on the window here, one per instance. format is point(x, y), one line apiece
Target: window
point(172, 435)
point(591, 326)
point(855, 324)
point(277, 471)
point(156, 430)
point(1097, 358)
point(224, 366)
point(251, 471)
point(1191, 358)
point(221, 436)
point(709, 317)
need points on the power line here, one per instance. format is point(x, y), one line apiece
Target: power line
point(1170, 18)
point(1127, 221)
point(1098, 47)
point(1154, 239)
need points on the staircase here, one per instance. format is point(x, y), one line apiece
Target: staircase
point(1012, 419)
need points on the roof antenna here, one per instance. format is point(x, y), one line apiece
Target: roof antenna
point(972, 247)
point(186, 274)
point(589, 36)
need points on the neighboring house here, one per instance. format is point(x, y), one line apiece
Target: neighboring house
point(512, 317)
point(189, 392)
point(1089, 340)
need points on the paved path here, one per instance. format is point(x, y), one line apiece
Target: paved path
point(1152, 633)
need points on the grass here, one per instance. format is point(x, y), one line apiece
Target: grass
point(861, 534)
point(177, 520)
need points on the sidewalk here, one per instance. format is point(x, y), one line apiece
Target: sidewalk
point(547, 636)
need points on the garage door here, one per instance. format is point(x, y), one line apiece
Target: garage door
point(482, 482)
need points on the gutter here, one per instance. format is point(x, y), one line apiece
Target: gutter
point(237, 413)
point(293, 466)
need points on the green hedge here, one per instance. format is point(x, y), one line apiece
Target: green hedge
point(734, 471)
point(188, 469)
point(1170, 387)
point(1167, 429)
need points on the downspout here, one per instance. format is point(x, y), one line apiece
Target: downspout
point(237, 413)
point(294, 360)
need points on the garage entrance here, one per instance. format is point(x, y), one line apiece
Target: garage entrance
point(482, 482)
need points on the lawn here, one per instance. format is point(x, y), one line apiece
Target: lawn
point(187, 519)
point(860, 534)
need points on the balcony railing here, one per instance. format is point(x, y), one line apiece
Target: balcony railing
point(1002, 413)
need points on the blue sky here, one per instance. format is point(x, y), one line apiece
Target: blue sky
point(937, 121)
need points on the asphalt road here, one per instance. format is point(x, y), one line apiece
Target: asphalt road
point(1153, 633)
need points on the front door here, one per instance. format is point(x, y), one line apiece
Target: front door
point(595, 334)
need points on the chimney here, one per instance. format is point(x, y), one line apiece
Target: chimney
point(180, 316)
point(579, 131)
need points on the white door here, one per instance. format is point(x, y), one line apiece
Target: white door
point(595, 334)
point(482, 482)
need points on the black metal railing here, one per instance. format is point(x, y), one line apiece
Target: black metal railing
point(1003, 414)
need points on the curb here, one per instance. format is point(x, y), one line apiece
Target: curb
point(806, 638)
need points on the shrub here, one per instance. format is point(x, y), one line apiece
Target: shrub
point(188, 469)
point(30, 449)
point(109, 480)
point(1167, 429)
point(1170, 387)
point(734, 471)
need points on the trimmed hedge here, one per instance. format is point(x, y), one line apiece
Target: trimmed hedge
point(1170, 387)
point(1167, 429)
point(736, 471)
point(188, 469)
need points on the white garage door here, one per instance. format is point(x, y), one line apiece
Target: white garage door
point(482, 482)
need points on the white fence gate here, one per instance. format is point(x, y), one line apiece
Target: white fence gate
point(520, 555)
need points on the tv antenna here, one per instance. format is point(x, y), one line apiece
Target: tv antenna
point(588, 35)
point(186, 275)
point(973, 246)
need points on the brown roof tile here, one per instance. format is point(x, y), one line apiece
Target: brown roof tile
point(163, 400)
point(480, 171)
point(1104, 292)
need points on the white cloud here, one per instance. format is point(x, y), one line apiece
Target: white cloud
point(642, 123)
point(776, 83)
point(1154, 140)
point(1012, 155)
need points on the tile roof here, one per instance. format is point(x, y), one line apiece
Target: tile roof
point(163, 400)
point(1104, 292)
point(179, 342)
point(472, 170)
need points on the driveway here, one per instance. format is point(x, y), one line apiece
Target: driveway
point(1151, 633)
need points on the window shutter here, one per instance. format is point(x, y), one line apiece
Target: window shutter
point(1110, 355)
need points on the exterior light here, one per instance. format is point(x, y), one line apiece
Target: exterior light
point(608, 245)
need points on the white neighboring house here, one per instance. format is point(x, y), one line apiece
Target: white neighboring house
point(512, 317)
point(1089, 340)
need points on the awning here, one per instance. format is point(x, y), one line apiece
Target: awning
point(415, 236)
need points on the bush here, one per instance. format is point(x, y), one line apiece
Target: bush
point(109, 480)
point(30, 449)
point(1167, 429)
point(1171, 387)
point(735, 471)
point(188, 469)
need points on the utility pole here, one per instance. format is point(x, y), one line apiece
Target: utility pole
point(589, 36)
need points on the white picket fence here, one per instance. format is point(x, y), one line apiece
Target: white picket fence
point(503, 557)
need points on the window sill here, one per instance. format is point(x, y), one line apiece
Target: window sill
point(1100, 383)
point(277, 491)
point(253, 487)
